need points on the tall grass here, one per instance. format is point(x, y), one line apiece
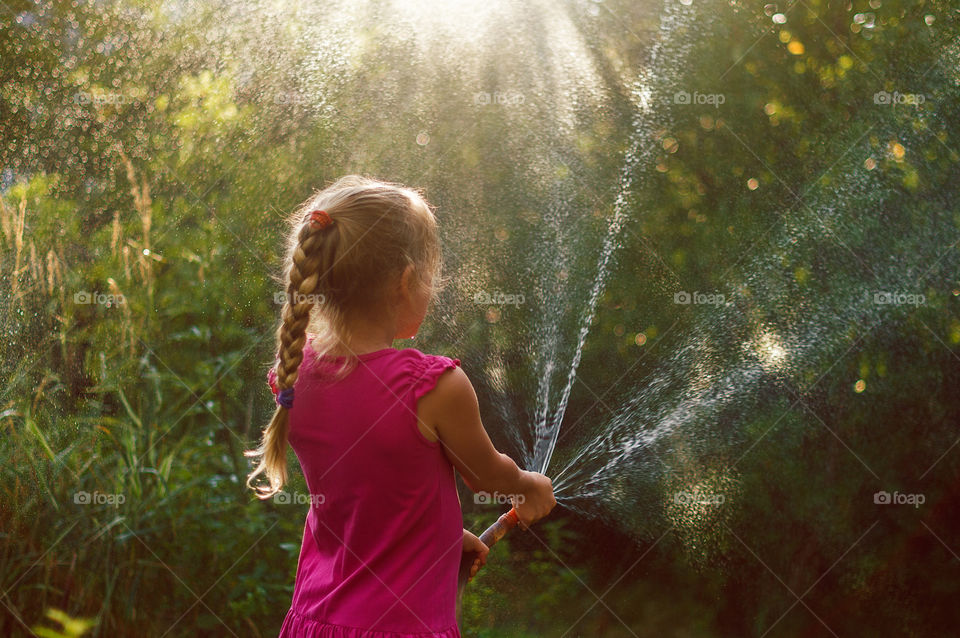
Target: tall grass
point(121, 499)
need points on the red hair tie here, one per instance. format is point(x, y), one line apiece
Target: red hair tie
point(320, 219)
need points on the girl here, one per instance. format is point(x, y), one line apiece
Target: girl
point(378, 431)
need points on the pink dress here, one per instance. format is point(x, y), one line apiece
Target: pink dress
point(384, 531)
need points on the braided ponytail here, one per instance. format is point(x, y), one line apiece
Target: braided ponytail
point(302, 276)
point(348, 245)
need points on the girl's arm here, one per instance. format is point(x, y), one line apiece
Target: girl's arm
point(451, 410)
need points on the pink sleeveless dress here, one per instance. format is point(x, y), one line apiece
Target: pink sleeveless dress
point(384, 530)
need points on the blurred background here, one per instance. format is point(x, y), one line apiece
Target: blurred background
point(704, 274)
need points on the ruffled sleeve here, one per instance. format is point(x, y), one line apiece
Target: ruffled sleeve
point(272, 378)
point(429, 371)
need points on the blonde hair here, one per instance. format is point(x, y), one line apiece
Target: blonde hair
point(339, 272)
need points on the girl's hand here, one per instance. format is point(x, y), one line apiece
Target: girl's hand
point(472, 544)
point(537, 499)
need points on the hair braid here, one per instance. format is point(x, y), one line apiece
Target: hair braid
point(303, 277)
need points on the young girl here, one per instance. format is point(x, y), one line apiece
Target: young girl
point(378, 431)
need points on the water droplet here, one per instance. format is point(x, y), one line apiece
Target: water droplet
point(896, 149)
point(423, 138)
point(769, 348)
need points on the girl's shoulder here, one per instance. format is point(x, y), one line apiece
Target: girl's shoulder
point(420, 359)
point(423, 368)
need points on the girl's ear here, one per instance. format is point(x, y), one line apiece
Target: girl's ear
point(407, 282)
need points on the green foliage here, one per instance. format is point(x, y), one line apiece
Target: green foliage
point(151, 171)
point(69, 627)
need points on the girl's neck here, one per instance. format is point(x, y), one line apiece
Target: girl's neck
point(366, 336)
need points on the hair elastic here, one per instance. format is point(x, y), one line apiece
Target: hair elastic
point(282, 397)
point(320, 219)
point(285, 398)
